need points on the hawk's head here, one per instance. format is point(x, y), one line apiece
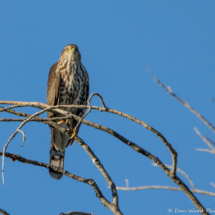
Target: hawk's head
point(71, 52)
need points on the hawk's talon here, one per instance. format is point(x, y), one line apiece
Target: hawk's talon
point(74, 133)
point(63, 120)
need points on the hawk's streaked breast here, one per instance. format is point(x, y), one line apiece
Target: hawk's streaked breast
point(73, 81)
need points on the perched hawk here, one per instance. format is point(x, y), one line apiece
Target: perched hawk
point(68, 83)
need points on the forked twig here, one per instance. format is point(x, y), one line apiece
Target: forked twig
point(171, 174)
point(89, 109)
point(14, 134)
point(101, 99)
point(183, 173)
point(182, 102)
point(23, 136)
point(98, 164)
point(206, 141)
point(90, 182)
point(194, 190)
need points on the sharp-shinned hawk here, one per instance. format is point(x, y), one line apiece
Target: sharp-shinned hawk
point(68, 83)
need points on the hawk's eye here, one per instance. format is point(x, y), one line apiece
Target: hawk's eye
point(67, 49)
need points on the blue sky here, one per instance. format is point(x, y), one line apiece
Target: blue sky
point(117, 40)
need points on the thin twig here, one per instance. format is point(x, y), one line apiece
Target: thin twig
point(211, 141)
point(212, 184)
point(89, 107)
point(165, 188)
point(4, 212)
point(101, 99)
point(35, 119)
point(183, 173)
point(127, 182)
point(14, 134)
point(135, 147)
point(57, 110)
point(8, 108)
point(23, 136)
point(98, 164)
point(205, 150)
point(90, 182)
point(183, 102)
point(206, 141)
point(75, 213)
point(194, 190)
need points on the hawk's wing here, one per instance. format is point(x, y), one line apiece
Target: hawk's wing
point(56, 157)
point(53, 88)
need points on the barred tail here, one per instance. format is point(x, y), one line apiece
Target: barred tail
point(56, 159)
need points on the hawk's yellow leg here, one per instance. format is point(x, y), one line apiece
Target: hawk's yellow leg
point(63, 120)
point(74, 133)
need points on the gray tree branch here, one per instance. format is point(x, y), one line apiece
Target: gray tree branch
point(90, 182)
point(55, 109)
point(75, 213)
point(168, 89)
point(194, 190)
point(206, 141)
point(4, 212)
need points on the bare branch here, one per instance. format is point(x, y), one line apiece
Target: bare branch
point(23, 137)
point(101, 99)
point(14, 134)
point(206, 141)
point(127, 182)
point(35, 119)
point(212, 184)
point(135, 147)
point(75, 213)
point(89, 111)
point(57, 110)
point(183, 173)
point(8, 108)
point(194, 190)
point(164, 188)
point(90, 182)
point(210, 140)
point(98, 164)
point(183, 102)
point(3, 212)
point(204, 150)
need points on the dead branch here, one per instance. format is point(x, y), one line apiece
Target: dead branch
point(210, 141)
point(90, 182)
point(206, 141)
point(171, 174)
point(98, 164)
point(183, 102)
point(14, 134)
point(183, 173)
point(75, 213)
point(23, 137)
point(3, 212)
point(194, 190)
point(164, 188)
point(59, 111)
point(212, 184)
